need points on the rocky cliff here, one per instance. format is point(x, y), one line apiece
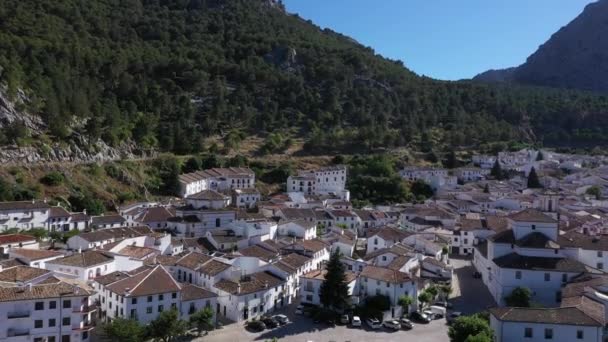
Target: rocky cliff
point(575, 57)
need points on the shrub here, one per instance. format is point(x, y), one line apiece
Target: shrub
point(53, 178)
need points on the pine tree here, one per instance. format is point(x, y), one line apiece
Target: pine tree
point(540, 156)
point(486, 189)
point(496, 170)
point(533, 181)
point(334, 289)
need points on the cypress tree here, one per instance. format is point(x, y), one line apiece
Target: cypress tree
point(334, 289)
point(496, 170)
point(533, 181)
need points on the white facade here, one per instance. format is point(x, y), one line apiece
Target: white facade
point(505, 331)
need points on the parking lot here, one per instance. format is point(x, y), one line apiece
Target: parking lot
point(469, 296)
point(302, 329)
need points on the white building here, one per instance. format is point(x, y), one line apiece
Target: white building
point(245, 198)
point(329, 180)
point(84, 266)
point(298, 228)
point(563, 324)
point(310, 287)
point(23, 215)
point(208, 199)
point(219, 179)
point(34, 257)
point(375, 280)
point(17, 241)
point(384, 237)
point(52, 310)
point(145, 294)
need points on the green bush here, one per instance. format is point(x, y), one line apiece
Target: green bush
point(53, 178)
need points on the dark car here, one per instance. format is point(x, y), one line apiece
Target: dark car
point(270, 322)
point(256, 326)
point(420, 317)
point(453, 316)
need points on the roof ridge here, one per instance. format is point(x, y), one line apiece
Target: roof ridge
point(146, 277)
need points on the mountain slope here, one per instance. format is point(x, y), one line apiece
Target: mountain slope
point(575, 57)
point(167, 74)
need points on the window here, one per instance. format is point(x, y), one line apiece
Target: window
point(466, 241)
point(375, 241)
point(548, 334)
point(50, 339)
point(580, 335)
point(85, 335)
point(66, 321)
point(600, 254)
point(160, 308)
point(65, 338)
point(600, 265)
point(174, 295)
point(384, 258)
point(564, 278)
point(517, 274)
point(39, 306)
point(52, 304)
point(133, 313)
point(52, 322)
point(133, 301)
point(38, 323)
point(533, 227)
point(67, 304)
point(149, 299)
point(173, 306)
point(547, 276)
point(149, 309)
point(161, 297)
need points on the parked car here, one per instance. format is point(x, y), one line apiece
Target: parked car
point(420, 317)
point(406, 324)
point(344, 319)
point(444, 304)
point(256, 326)
point(270, 322)
point(438, 311)
point(282, 319)
point(429, 313)
point(356, 321)
point(373, 323)
point(392, 324)
point(300, 310)
point(452, 316)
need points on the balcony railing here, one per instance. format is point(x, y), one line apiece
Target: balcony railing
point(18, 314)
point(85, 308)
point(17, 332)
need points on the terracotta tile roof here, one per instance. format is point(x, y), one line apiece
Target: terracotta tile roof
point(8, 263)
point(298, 213)
point(258, 252)
point(295, 260)
point(53, 290)
point(531, 215)
point(155, 214)
point(138, 252)
point(153, 281)
point(199, 243)
point(214, 267)
point(255, 282)
point(505, 236)
point(111, 277)
point(397, 263)
point(562, 316)
point(193, 260)
point(193, 292)
point(21, 274)
point(320, 275)
point(516, 261)
point(15, 238)
point(107, 219)
point(23, 205)
point(388, 233)
point(58, 212)
point(537, 240)
point(208, 195)
point(385, 274)
point(579, 240)
point(35, 254)
point(169, 260)
point(397, 249)
point(313, 245)
point(84, 259)
point(115, 233)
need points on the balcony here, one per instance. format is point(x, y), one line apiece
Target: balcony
point(84, 326)
point(18, 314)
point(17, 332)
point(85, 308)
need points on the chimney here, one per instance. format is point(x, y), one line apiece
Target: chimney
point(79, 250)
point(238, 288)
point(266, 284)
point(127, 291)
point(84, 211)
point(29, 287)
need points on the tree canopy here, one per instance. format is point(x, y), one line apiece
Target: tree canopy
point(334, 289)
point(167, 74)
point(468, 328)
point(519, 297)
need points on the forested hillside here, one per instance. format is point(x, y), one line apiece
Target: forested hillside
point(168, 73)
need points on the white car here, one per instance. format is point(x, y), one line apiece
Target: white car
point(392, 324)
point(282, 319)
point(373, 323)
point(356, 321)
point(430, 314)
point(300, 310)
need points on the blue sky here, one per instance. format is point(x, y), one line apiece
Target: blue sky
point(445, 39)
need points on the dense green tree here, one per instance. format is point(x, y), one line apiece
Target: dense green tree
point(486, 188)
point(424, 298)
point(202, 320)
point(405, 302)
point(466, 327)
point(496, 171)
point(124, 330)
point(333, 292)
point(53, 178)
point(540, 156)
point(421, 189)
point(169, 170)
point(519, 297)
point(481, 337)
point(533, 181)
point(167, 326)
point(193, 164)
point(450, 161)
point(594, 191)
